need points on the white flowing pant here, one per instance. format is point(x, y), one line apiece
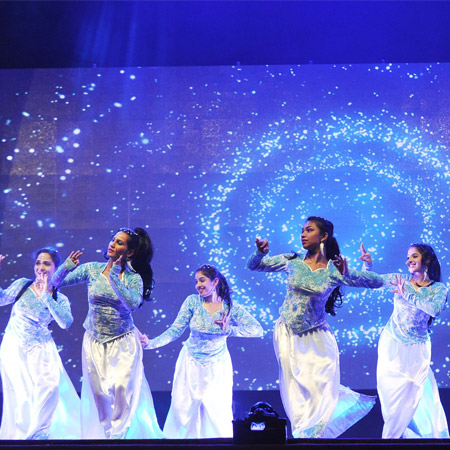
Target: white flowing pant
point(315, 402)
point(408, 392)
point(115, 397)
point(39, 400)
point(202, 394)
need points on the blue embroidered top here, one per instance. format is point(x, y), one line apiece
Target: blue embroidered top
point(408, 323)
point(111, 302)
point(207, 340)
point(307, 291)
point(31, 315)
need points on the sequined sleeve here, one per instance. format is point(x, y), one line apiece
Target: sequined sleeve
point(68, 274)
point(362, 279)
point(130, 295)
point(243, 324)
point(8, 295)
point(261, 262)
point(59, 309)
point(430, 299)
point(177, 328)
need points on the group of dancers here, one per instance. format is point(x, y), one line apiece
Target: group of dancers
point(40, 402)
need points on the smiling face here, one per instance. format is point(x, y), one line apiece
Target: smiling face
point(119, 246)
point(204, 285)
point(312, 236)
point(44, 265)
point(414, 262)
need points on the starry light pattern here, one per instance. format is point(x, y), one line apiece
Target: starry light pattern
point(209, 158)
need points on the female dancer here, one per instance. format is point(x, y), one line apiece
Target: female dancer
point(406, 385)
point(305, 346)
point(116, 400)
point(39, 400)
point(203, 380)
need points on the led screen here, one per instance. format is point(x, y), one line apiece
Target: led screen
point(207, 159)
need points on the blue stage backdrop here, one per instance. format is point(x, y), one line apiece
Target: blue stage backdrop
point(208, 158)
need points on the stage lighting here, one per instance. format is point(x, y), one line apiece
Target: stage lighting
point(262, 426)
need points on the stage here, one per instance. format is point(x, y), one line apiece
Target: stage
point(225, 444)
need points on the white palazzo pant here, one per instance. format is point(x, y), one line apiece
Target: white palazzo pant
point(39, 400)
point(315, 402)
point(202, 394)
point(408, 392)
point(116, 401)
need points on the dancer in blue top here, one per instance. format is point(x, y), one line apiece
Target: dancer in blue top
point(39, 400)
point(115, 397)
point(408, 392)
point(306, 349)
point(203, 380)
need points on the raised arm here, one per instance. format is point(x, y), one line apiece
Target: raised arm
point(176, 329)
point(261, 262)
point(70, 272)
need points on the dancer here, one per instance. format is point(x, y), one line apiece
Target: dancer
point(203, 380)
point(305, 346)
point(39, 400)
point(115, 397)
point(408, 392)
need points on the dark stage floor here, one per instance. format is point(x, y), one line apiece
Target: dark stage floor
point(224, 444)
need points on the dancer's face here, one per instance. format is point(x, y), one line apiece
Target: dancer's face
point(204, 285)
point(311, 235)
point(44, 265)
point(414, 261)
point(118, 246)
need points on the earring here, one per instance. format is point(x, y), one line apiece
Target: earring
point(322, 249)
point(129, 265)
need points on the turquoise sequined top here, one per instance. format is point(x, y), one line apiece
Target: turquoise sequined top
point(303, 308)
point(408, 323)
point(111, 302)
point(207, 340)
point(31, 315)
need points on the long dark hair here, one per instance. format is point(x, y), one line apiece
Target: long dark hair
point(331, 250)
point(140, 242)
point(53, 253)
point(431, 262)
point(429, 259)
point(222, 289)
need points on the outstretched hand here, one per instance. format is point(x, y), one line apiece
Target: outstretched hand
point(75, 257)
point(341, 264)
point(223, 321)
point(398, 285)
point(366, 257)
point(262, 245)
point(143, 338)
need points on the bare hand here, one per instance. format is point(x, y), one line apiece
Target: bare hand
point(262, 245)
point(1, 259)
point(144, 339)
point(75, 257)
point(223, 321)
point(118, 261)
point(398, 285)
point(41, 283)
point(341, 264)
point(366, 257)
